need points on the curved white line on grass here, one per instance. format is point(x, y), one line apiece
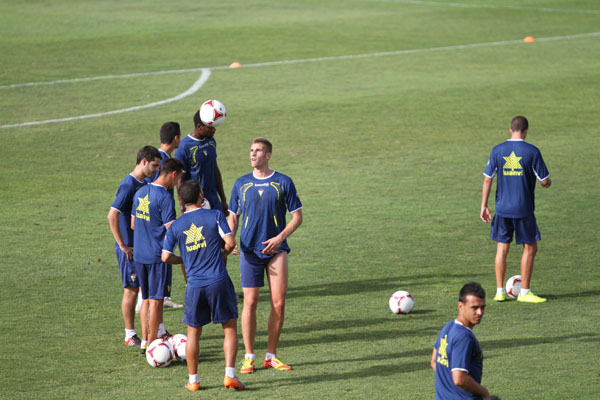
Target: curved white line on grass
point(193, 89)
point(305, 60)
point(492, 6)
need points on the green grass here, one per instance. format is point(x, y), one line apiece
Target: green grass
point(387, 155)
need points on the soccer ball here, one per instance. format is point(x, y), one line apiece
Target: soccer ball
point(401, 302)
point(212, 113)
point(178, 342)
point(159, 353)
point(513, 286)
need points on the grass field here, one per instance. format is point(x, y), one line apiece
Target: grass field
point(383, 113)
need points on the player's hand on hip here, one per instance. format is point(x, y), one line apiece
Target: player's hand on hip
point(128, 251)
point(271, 245)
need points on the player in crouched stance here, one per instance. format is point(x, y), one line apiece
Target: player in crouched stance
point(457, 358)
point(209, 293)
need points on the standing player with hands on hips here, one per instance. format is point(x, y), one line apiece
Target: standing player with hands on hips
point(262, 198)
point(517, 165)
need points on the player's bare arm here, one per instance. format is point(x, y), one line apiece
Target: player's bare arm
point(464, 381)
point(272, 244)
point(485, 213)
point(220, 191)
point(113, 222)
point(170, 258)
point(546, 183)
point(433, 357)
point(181, 202)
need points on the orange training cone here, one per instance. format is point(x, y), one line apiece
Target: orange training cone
point(235, 65)
point(529, 39)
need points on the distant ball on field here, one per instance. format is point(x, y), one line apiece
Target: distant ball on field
point(401, 302)
point(178, 342)
point(159, 353)
point(212, 113)
point(513, 286)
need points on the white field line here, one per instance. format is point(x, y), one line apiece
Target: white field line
point(493, 6)
point(193, 89)
point(206, 72)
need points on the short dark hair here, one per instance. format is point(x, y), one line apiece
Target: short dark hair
point(170, 165)
point(472, 288)
point(190, 191)
point(264, 141)
point(169, 131)
point(197, 119)
point(148, 153)
point(519, 124)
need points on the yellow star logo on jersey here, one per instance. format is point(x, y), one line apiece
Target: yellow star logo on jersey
point(442, 355)
point(512, 162)
point(194, 234)
point(194, 237)
point(144, 205)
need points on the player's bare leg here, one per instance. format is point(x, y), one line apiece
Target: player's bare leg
point(249, 318)
point(155, 311)
point(500, 263)
point(277, 274)
point(230, 343)
point(144, 319)
point(192, 349)
point(529, 252)
point(128, 306)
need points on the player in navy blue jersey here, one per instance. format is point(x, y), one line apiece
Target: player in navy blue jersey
point(119, 219)
point(153, 212)
point(259, 203)
point(209, 294)
point(198, 152)
point(457, 358)
point(517, 165)
point(170, 135)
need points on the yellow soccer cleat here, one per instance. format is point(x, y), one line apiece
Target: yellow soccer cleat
point(500, 297)
point(247, 366)
point(530, 298)
point(276, 364)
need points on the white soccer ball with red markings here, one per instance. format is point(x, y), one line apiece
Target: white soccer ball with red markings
point(178, 343)
point(213, 113)
point(513, 286)
point(159, 353)
point(401, 302)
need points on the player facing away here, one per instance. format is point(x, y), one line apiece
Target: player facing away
point(170, 135)
point(198, 152)
point(153, 213)
point(209, 294)
point(517, 165)
point(119, 220)
point(457, 358)
point(259, 202)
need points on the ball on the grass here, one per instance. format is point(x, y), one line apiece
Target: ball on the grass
point(159, 353)
point(401, 302)
point(213, 113)
point(178, 342)
point(513, 286)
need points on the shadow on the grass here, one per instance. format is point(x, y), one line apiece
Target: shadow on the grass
point(516, 342)
point(582, 293)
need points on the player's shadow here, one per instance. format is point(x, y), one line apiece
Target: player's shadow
point(389, 284)
point(583, 293)
point(519, 342)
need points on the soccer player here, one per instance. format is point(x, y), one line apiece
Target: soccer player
point(119, 219)
point(209, 292)
point(170, 135)
point(263, 197)
point(517, 165)
point(153, 213)
point(198, 152)
point(457, 358)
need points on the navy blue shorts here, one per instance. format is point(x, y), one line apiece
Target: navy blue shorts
point(154, 280)
point(216, 302)
point(127, 268)
point(253, 265)
point(525, 230)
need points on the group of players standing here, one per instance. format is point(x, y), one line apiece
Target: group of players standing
point(143, 222)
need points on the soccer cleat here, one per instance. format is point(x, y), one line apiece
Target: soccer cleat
point(233, 383)
point(500, 297)
point(192, 387)
point(143, 349)
point(276, 364)
point(530, 298)
point(247, 366)
point(166, 335)
point(133, 341)
point(169, 303)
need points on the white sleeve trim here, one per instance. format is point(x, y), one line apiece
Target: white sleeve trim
point(170, 252)
point(223, 234)
point(297, 209)
point(460, 369)
point(117, 210)
point(234, 212)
